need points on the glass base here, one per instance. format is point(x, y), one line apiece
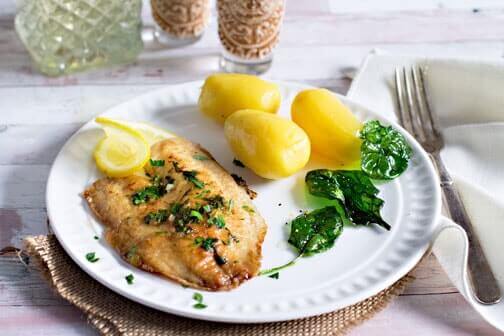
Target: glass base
point(231, 63)
point(173, 41)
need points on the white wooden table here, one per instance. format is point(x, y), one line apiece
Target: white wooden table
point(322, 42)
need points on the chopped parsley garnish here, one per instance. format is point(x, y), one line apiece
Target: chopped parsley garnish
point(91, 257)
point(217, 221)
point(198, 297)
point(163, 182)
point(132, 256)
point(129, 279)
point(248, 209)
point(184, 216)
point(208, 244)
point(207, 208)
point(175, 208)
point(200, 157)
point(148, 194)
point(196, 214)
point(238, 163)
point(132, 251)
point(199, 301)
point(274, 275)
point(180, 226)
point(156, 217)
point(191, 177)
point(205, 243)
point(96, 237)
point(230, 204)
point(156, 180)
point(157, 163)
point(154, 191)
point(216, 201)
point(203, 193)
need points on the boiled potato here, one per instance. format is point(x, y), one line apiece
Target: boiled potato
point(331, 126)
point(224, 94)
point(273, 147)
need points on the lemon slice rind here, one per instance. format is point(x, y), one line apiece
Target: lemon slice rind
point(122, 152)
point(150, 133)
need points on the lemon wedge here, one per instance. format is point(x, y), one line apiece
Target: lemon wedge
point(123, 151)
point(150, 133)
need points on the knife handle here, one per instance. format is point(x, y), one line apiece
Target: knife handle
point(485, 287)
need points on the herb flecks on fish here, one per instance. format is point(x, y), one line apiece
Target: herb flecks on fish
point(156, 190)
point(200, 157)
point(206, 244)
point(248, 209)
point(147, 194)
point(132, 256)
point(157, 163)
point(191, 177)
point(156, 217)
point(216, 202)
point(218, 221)
point(196, 215)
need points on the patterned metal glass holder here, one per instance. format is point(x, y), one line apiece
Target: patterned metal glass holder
point(180, 22)
point(249, 31)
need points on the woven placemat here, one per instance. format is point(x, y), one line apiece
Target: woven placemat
point(113, 314)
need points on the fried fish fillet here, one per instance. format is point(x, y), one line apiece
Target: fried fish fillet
point(187, 219)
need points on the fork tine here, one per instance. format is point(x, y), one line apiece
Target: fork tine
point(423, 115)
point(433, 120)
point(400, 97)
point(416, 128)
point(404, 115)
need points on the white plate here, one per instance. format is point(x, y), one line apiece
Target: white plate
point(364, 260)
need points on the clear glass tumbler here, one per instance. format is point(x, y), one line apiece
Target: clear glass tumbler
point(180, 22)
point(249, 31)
point(64, 36)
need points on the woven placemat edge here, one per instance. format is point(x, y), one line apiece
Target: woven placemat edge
point(36, 249)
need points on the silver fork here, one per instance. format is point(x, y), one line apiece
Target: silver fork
point(415, 115)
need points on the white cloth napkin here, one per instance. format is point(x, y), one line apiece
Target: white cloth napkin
point(468, 97)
